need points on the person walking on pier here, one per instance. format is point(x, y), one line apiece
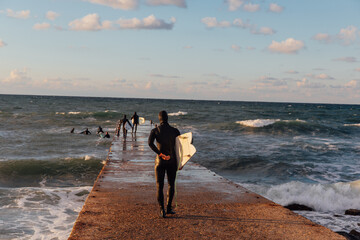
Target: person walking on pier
point(123, 122)
point(165, 161)
point(135, 119)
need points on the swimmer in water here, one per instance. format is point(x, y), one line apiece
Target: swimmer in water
point(86, 132)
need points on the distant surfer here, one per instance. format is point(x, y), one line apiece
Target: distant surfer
point(99, 130)
point(135, 120)
point(72, 130)
point(86, 132)
point(107, 135)
point(165, 136)
point(123, 122)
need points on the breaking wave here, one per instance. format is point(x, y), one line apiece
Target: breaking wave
point(336, 197)
point(179, 113)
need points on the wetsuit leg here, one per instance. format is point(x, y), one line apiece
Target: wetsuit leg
point(171, 176)
point(160, 175)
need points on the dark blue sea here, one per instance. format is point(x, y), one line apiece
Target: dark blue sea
point(287, 152)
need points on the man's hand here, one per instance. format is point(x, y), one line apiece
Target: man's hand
point(163, 156)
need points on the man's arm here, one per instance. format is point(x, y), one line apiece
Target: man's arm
point(151, 142)
point(129, 123)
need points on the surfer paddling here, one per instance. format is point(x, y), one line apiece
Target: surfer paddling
point(165, 161)
point(86, 132)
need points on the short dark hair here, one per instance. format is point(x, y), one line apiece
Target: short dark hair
point(163, 116)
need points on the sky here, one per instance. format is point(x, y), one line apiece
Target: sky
point(243, 50)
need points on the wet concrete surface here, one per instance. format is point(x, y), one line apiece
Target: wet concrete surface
point(122, 204)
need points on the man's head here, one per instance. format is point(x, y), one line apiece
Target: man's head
point(163, 117)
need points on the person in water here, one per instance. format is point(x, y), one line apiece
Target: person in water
point(123, 122)
point(107, 135)
point(86, 132)
point(165, 161)
point(135, 119)
point(99, 130)
point(72, 130)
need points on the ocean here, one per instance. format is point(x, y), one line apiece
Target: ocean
point(287, 152)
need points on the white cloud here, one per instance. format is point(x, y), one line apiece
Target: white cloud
point(323, 76)
point(52, 15)
point(305, 83)
point(251, 7)
point(238, 22)
point(178, 3)
point(2, 43)
point(275, 8)
point(234, 4)
point(188, 47)
point(265, 31)
point(352, 84)
point(348, 35)
point(235, 47)
point(270, 83)
point(212, 22)
point(292, 72)
point(18, 77)
point(150, 22)
point(218, 76)
point(23, 14)
point(156, 75)
point(323, 37)
point(346, 59)
point(117, 4)
point(41, 26)
point(90, 22)
point(289, 46)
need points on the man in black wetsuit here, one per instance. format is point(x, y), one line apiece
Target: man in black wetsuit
point(165, 136)
point(86, 132)
point(135, 119)
point(99, 130)
point(123, 122)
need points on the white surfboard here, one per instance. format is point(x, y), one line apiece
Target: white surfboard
point(141, 120)
point(184, 149)
point(128, 126)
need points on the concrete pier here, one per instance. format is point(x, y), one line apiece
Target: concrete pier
point(122, 204)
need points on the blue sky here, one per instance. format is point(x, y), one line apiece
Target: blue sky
point(288, 51)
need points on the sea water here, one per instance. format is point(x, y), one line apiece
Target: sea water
point(287, 152)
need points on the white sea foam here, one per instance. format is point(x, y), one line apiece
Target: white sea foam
point(42, 213)
point(60, 113)
point(258, 122)
point(329, 201)
point(74, 113)
point(352, 125)
point(335, 197)
point(179, 113)
point(88, 157)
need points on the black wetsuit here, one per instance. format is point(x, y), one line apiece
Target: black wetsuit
point(165, 136)
point(123, 123)
point(136, 119)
